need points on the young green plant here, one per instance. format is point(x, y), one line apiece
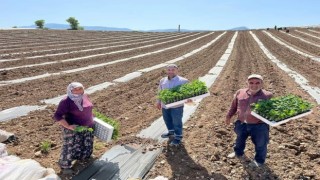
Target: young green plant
point(280, 108)
point(45, 146)
point(184, 91)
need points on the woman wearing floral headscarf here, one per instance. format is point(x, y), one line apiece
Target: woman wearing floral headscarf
point(75, 110)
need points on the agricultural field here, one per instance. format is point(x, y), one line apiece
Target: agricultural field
point(37, 65)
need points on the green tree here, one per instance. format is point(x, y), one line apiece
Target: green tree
point(74, 23)
point(40, 23)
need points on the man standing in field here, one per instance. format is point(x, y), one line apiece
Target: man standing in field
point(247, 125)
point(172, 116)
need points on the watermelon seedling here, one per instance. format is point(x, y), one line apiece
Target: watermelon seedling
point(185, 91)
point(280, 108)
point(83, 129)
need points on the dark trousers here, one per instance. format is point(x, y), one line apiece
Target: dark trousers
point(259, 135)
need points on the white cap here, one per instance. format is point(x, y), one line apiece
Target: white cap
point(172, 66)
point(255, 76)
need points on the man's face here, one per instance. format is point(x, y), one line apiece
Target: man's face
point(255, 85)
point(171, 72)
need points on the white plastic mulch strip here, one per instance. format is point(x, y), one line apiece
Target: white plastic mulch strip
point(138, 73)
point(122, 162)
point(291, 48)
point(128, 77)
point(76, 42)
point(90, 56)
point(105, 85)
point(314, 31)
point(158, 127)
point(307, 34)
point(299, 79)
point(89, 90)
point(301, 39)
point(2, 83)
point(86, 50)
point(15, 112)
point(133, 75)
point(99, 42)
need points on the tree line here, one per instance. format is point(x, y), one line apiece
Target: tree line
point(74, 24)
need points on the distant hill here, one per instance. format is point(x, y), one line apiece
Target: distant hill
point(175, 30)
point(241, 28)
point(65, 26)
point(102, 28)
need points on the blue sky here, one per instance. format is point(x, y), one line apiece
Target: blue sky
point(163, 14)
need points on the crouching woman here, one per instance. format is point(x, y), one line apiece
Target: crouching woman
point(74, 110)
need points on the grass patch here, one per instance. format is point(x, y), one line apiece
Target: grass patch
point(98, 145)
point(45, 146)
point(115, 124)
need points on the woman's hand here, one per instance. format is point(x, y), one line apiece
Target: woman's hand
point(71, 127)
point(66, 125)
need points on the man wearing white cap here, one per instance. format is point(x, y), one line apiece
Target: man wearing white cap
point(247, 125)
point(172, 116)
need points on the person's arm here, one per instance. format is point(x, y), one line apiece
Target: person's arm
point(60, 112)
point(66, 125)
point(158, 103)
point(232, 109)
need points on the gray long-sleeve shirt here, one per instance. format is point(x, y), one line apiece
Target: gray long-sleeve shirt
point(166, 83)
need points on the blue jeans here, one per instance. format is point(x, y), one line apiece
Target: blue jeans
point(173, 120)
point(259, 135)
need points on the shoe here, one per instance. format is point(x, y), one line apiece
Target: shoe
point(167, 135)
point(233, 155)
point(175, 142)
point(255, 164)
point(67, 171)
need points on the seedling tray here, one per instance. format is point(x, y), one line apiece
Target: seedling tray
point(102, 130)
point(277, 123)
point(185, 100)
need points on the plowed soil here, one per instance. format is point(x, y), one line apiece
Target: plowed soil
point(208, 141)
point(293, 152)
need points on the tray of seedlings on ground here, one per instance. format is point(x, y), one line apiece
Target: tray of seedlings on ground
point(279, 110)
point(180, 94)
point(105, 128)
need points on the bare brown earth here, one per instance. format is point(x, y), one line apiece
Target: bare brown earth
point(113, 45)
point(300, 45)
point(61, 66)
point(303, 65)
point(208, 140)
point(306, 37)
point(68, 46)
point(293, 149)
point(29, 92)
point(310, 32)
point(24, 39)
point(127, 100)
